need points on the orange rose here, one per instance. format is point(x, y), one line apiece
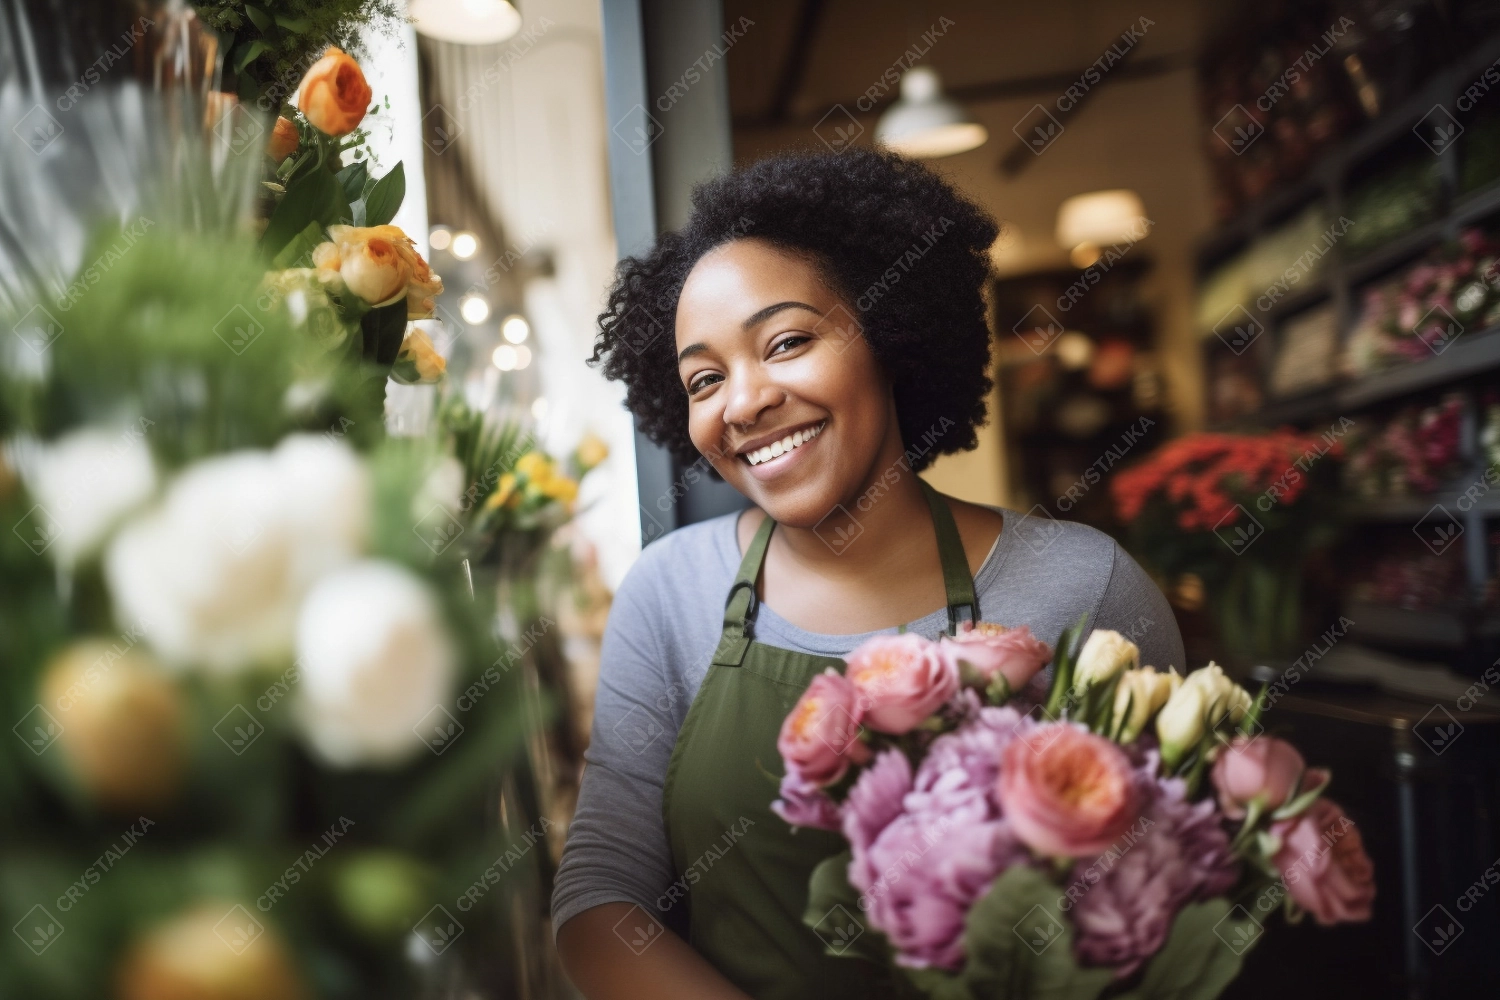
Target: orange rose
point(283, 141)
point(334, 95)
point(378, 263)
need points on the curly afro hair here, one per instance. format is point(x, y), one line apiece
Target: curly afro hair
point(904, 250)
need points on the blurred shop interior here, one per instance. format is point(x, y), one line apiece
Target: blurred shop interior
point(1248, 258)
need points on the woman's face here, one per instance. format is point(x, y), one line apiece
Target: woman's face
point(785, 398)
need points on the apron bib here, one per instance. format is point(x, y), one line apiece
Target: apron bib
point(745, 868)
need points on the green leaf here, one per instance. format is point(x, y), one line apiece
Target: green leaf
point(1199, 958)
point(313, 197)
point(384, 329)
point(258, 17)
point(352, 179)
point(385, 197)
point(833, 912)
point(247, 54)
point(297, 25)
point(298, 251)
point(1020, 945)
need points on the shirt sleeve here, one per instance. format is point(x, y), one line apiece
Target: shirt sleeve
point(616, 848)
point(1134, 606)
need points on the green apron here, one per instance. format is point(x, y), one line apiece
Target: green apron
point(745, 868)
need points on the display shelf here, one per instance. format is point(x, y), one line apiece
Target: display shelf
point(1471, 354)
point(1410, 509)
point(1383, 623)
point(1328, 172)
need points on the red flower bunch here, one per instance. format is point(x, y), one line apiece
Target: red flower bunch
point(1201, 474)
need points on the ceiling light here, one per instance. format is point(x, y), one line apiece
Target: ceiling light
point(1074, 350)
point(440, 237)
point(515, 329)
point(539, 408)
point(1102, 218)
point(467, 22)
point(523, 356)
point(464, 245)
point(474, 309)
point(924, 123)
point(1085, 255)
point(504, 357)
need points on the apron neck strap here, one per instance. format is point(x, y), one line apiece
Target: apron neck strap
point(741, 605)
point(957, 582)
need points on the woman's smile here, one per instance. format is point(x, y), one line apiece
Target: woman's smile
point(767, 461)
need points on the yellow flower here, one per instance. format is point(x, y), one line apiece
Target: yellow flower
point(418, 362)
point(505, 494)
point(535, 466)
point(560, 488)
point(591, 451)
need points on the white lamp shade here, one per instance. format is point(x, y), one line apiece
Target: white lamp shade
point(467, 22)
point(924, 123)
point(1101, 218)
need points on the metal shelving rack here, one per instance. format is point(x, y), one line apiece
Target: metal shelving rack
point(1471, 360)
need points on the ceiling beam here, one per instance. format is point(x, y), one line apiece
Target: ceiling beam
point(1047, 84)
point(797, 58)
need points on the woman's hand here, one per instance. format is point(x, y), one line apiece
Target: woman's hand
point(603, 967)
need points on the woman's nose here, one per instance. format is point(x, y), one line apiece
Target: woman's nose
point(750, 393)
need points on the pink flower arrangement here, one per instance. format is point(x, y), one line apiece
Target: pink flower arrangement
point(942, 783)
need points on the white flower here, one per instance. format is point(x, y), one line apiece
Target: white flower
point(374, 658)
point(84, 482)
point(1180, 723)
point(1204, 700)
point(1105, 653)
point(1144, 691)
point(441, 488)
point(221, 565)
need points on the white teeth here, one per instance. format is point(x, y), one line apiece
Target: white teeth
point(786, 444)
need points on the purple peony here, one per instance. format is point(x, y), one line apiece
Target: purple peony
point(1123, 903)
point(921, 863)
point(804, 803)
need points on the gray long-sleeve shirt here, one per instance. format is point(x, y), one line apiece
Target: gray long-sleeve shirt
point(661, 635)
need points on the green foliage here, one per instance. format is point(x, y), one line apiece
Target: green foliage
point(272, 43)
point(829, 888)
point(1198, 961)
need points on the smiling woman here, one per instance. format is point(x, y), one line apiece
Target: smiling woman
point(827, 342)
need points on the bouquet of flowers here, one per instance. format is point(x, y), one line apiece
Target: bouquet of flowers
point(1124, 831)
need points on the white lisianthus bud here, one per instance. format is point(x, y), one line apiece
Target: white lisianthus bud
point(1105, 655)
point(1221, 696)
point(375, 659)
point(1142, 692)
point(1179, 725)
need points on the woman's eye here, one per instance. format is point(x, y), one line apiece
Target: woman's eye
point(704, 381)
point(788, 344)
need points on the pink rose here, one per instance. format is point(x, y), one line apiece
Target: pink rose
point(1261, 767)
point(1065, 791)
point(1324, 864)
point(820, 737)
point(901, 680)
point(1012, 653)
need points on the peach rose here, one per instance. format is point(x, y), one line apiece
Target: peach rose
point(1065, 791)
point(283, 141)
point(418, 362)
point(333, 95)
point(1263, 768)
point(1323, 862)
point(901, 680)
point(373, 261)
point(993, 650)
point(820, 737)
